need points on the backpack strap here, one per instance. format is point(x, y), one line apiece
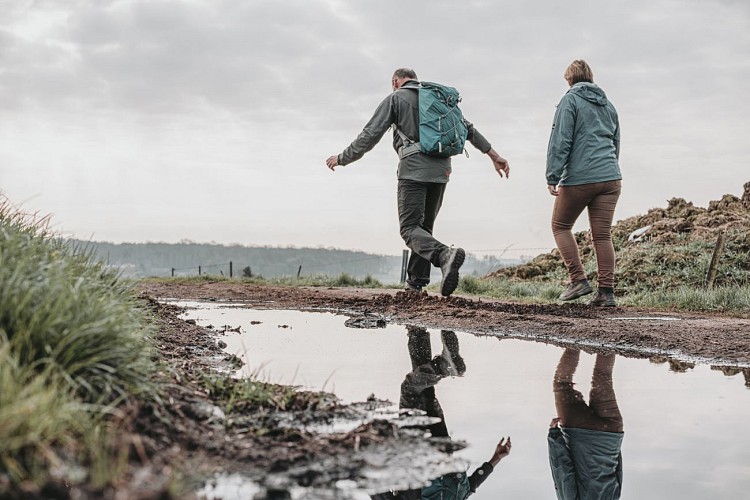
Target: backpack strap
point(409, 147)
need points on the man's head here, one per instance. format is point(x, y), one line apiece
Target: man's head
point(401, 76)
point(579, 71)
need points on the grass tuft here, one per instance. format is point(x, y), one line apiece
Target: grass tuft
point(36, 417)
point(73, 343)
point(522, 291)
point(248, 394)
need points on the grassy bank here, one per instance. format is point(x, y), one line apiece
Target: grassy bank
point(74, 344)
point(732, 300)
point(82, 385)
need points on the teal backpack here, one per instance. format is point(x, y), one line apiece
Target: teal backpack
point(448, 487)
point(442, 129)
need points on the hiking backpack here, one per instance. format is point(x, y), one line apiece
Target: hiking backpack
point(453, 486)
point(442, 129)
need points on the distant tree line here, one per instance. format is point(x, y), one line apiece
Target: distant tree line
point(159, 259)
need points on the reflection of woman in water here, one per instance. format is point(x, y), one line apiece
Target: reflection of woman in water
point(585, 440)
point(418, 392)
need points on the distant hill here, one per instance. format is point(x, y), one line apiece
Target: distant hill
point(159, 259)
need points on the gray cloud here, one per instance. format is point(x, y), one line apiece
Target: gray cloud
point(125, 97)
point(264, 58)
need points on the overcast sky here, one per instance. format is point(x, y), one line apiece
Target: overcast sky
point(210, 120)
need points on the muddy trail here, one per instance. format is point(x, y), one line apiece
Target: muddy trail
point(715, 339)
point(193, 437)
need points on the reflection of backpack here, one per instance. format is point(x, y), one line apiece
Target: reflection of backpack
point(442, 130)
point(448, 487)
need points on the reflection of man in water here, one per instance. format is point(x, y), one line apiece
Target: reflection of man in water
point(418, 392)
point(418, 388)
point(585, 440)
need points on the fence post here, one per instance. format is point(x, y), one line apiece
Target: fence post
point(711, 276)
point(173, 272)
point(299, 270)
point(230, 268)
point(404, 264)
point(199, 270)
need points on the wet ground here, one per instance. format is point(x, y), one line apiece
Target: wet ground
point(482, 388)
point(682, 415)
point(720, 340)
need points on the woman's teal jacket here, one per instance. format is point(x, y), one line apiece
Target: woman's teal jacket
point(584, 145)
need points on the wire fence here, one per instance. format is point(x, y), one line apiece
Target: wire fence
point(232, 269)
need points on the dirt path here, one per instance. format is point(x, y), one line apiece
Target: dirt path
point(718, 340)
point(189, 431)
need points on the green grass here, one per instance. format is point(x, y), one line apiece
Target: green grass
point(73, 343)
point(245, 395)
point(522, 291)
point(36, 416)
point(76, 349)
point(64, 312)
point(733, 300)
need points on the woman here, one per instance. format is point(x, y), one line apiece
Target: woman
point(585, 440)
point(583, 172)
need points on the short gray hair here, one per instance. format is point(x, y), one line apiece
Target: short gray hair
point(405, 73)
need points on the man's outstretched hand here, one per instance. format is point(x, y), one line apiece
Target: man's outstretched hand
point(332, 162)
point(501, 451)
point(501, 164)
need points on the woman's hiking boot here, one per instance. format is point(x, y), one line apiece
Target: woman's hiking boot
point(576, 289)
point(603, 299)
point(451, 260)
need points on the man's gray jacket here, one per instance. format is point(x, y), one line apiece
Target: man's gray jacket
point(401, 108)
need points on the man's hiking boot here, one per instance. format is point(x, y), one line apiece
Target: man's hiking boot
point(603, 299)
point(454, 363)
point(450, 262)
point(576, 289)
point(410, 287)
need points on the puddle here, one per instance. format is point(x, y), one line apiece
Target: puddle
point(685, 424)
point(229, 486)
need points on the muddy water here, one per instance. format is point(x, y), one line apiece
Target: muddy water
point(685, 433)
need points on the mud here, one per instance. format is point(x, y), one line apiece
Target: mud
point(180, 445)
point(176, 446)
point(714, 339)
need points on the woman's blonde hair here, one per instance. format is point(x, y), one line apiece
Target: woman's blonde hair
point(579, 71)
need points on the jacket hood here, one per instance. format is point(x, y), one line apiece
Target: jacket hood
point(589, 91)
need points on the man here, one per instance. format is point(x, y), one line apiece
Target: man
point(421, 181)
point(418, 393)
